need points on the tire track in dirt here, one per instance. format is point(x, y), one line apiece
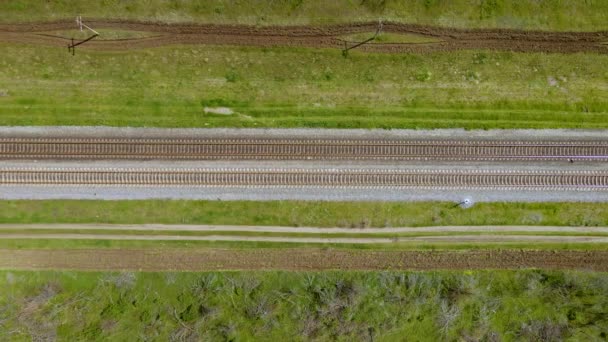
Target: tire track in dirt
point(296, 259)
point(313, 36)
point(333, 240)
point(309, 230)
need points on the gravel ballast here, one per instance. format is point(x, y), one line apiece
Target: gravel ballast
point(300, 192)
point(448, 134)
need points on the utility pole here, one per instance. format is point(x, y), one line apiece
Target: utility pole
point(72, 47)
point(346, 48)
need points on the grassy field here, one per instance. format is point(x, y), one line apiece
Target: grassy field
point(289, 87)
point(303, 213)
point(387, 37)
point(539, 14)
point(386, 306)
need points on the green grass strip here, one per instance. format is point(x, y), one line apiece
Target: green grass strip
point(302, 213)
point(539, 14)
point(299, 87)
point(294, 234)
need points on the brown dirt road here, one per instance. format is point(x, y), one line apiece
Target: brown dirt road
point(311, 230)
point(297, 259)
point(312, 36)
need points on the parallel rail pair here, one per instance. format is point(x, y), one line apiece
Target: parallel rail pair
point(302, 149)
point(440, 179)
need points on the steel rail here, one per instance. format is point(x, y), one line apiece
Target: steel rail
point(419, 178)
point(201, 149)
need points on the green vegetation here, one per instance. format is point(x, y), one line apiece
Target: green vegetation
point(387, 37)
point(386, 306)
point(538, 14)
point(288, 87)
point(303, 213)
point(298, 87)
point(294, 233)
point(104, 34)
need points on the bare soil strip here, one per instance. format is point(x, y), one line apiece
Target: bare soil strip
point(312, 36)
point(297, 259)
point(330, 240)
point(308, 230)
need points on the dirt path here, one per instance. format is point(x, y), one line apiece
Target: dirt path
point(312, 36)
point(331, 240)
point(297, 259)
point(312, 230)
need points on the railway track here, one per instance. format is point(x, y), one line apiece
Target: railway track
point(302, 149)
point(432, 179)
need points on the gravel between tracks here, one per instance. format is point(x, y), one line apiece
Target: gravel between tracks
point(285, 193)
point(291, 193)
point(448, 134)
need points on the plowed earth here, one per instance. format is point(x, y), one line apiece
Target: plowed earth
point(311, 36)
point(297, 259)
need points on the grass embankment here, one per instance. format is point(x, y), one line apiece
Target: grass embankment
point(540, 14)
point(384, 306)
point(303, 213)
point(288, 87)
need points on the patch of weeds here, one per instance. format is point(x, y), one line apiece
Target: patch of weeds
point(480, 58)
point(472, 76)
point(447, 316)
point(26, 101)
point(368, 76)
point(331, 298)
point(374, 5)
point(259, 309)
point(532, 218)
point(488, 8)
point(40, 327)
point(206, 284)
point(295, 4)
point(328, 75)
point(423, 76)
point(124, 280)
point(364, 223)
point(232, 76)
point(542, 331)
point(428, 4)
